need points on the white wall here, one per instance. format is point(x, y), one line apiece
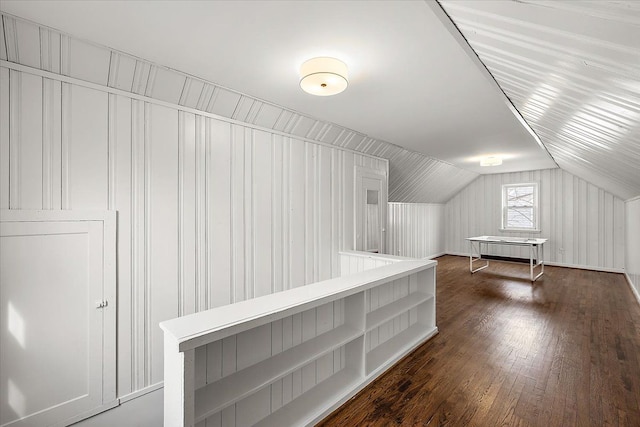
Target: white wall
point(632, 264)
point(584, 224)
point(414, 177)
point(416, 230)
point(210, 211)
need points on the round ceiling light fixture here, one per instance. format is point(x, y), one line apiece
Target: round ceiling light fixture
point(491, 161)
point(323, 76)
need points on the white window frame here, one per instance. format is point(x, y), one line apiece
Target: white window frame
point(536, 208)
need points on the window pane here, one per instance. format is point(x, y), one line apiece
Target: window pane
point(519, 206)
point(520, 196)
point(520, 217)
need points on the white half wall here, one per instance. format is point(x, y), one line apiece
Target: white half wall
point(209, 211)
point(632, 264)
point(416, 230)
point(585, 224)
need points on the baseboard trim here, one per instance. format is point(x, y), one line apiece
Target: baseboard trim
point(586, 267)
point(633, 289)
point(141, 392)
point(456, 253)
point(122, 409)
point(435, 255)
point(91, 413)
point(560, 264)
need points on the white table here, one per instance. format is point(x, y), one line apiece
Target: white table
point(536, 251)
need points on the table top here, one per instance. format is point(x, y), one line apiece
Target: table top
point(506, 240)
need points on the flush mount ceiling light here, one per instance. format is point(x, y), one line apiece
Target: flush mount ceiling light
point(491, 161)
point(323, 76)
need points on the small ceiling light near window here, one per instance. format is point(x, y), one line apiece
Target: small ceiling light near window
point(491, 161)
point(323, 76)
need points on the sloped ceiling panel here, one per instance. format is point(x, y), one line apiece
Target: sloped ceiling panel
point(572, 68)
point(414, 177)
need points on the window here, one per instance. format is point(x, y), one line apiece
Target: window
point(520, 207)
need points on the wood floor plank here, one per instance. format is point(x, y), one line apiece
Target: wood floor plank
point(563, 351)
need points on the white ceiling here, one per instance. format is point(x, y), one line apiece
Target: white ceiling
point(413, 80)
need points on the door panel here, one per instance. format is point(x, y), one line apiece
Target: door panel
point(373, 226)
point(52, 278)
point(371, 209)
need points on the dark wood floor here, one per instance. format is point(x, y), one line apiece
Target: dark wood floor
point(564, 351)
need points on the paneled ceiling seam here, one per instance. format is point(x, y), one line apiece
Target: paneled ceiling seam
point(577, 7)
point(484, 50)
point(537, 28)
point(567, 102)
point(509, 77)
point(515, 83)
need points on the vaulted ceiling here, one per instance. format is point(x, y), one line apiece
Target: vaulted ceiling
point(542, 84)
point(572, 69)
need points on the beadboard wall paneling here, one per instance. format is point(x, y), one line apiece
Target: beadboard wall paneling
point(416, 230)
point(355, 262)
point(121, 198)
point(162, 227)
point(25, 141)
point(4, 138)
point(3, 45)
point(209, 212)
point(585, 225)
point(413, 177)
point(51, 144)
point(632, 264)
point(85, 123)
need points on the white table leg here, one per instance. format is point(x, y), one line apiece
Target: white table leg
point(531, 262)
point(539, 261)
point(472, 259)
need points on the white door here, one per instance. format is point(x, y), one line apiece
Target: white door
point(371, 210)
point(57, 328)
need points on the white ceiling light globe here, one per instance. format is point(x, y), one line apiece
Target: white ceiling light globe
point(323, 76)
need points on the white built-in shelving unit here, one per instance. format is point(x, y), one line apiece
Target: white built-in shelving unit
point(291, 358)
